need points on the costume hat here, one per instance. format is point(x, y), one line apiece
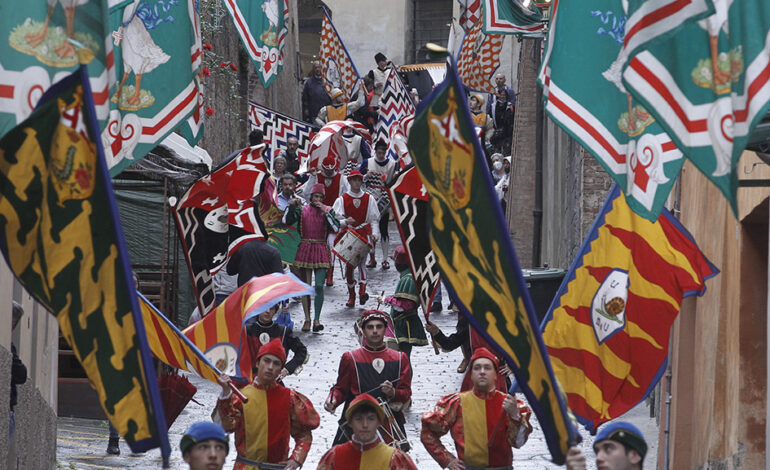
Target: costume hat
point(273, 347)
point(367, 401)
point(625, 433)
point(203, 431)
point(485, 354)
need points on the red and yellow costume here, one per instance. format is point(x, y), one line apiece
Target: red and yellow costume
point(263, 425)
point(482, 431)
point(375, 455)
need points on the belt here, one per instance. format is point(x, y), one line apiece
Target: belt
point(509, 467)
point(404, 315)
point(310, 240)
point(260, 465)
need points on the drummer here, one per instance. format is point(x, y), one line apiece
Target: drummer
point(375, 369)
point(365, 451)
point(357, 211)
point(335, 185)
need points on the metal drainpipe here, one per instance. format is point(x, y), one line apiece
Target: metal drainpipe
point(677, 192)
point(539, 137)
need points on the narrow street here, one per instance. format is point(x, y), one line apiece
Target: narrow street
point(81, 443)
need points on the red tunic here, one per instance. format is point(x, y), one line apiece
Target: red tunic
point(332, 185)
point(349, 382)
point(374, 456)
point(263, 426)
point(482, 431)
point(358, 211)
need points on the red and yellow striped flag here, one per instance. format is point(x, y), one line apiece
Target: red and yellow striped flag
point(220, 334)
point(171, 346)
point(608, 330)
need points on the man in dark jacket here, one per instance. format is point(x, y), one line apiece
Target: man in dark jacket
point(18, 369)
point(314, 96)
point(254, 259)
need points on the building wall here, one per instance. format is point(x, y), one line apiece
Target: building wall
point(36, 340)
point(719, 353)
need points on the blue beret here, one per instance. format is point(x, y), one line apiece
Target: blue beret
point(203, 431)
point(625, 433)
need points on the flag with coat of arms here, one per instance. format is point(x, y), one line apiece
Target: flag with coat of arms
point(607, 331)
point(473, 249)
point(707, 83)
point(581, 78)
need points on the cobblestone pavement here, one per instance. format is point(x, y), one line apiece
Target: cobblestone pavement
point(82, 443)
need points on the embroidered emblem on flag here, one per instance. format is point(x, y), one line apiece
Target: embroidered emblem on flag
point(479, 58)
point(608, 330)
point(337, 67)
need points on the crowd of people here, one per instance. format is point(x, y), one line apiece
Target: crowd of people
point(345, 213)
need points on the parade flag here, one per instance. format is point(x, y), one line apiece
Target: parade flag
point(41, 53)
point(277, 128)
point(395, 104)
point(470, 13)
point(479, 59)
point(608, 328)
point(171, 346)
point(262, 26)
point(221, 335)
point(708, 85)
point(157, 47)
point(338, 68)
point(469, 237)
point(216, 216)
point(399, 135)
point(333, 140)
point(61, 236)
point(586, 97)
point(410, 209)
point(511, 17)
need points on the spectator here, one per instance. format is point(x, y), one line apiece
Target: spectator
point(500, 83)
point(290, 154)
point(314, 96)
point(498, 172)
point(502, 119)
point(18, 372)
point(279, 168)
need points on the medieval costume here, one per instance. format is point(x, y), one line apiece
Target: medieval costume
point(363, 370)
point(381, 173)
point(259, 334)
point(313, 255)
point(263, 425)
point(362, 207)
point(338, 110)
point(406, 322)
point(335, 186)
point(483, 432)
point(373, 455)
point(465, 334)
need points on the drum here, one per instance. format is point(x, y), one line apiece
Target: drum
point(351, 247)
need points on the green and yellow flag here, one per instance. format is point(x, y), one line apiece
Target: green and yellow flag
point(61, 236)
point(474, 251)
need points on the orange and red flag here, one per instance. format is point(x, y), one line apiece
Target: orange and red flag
point(608, 329)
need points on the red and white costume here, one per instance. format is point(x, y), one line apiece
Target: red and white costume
point(362, 207)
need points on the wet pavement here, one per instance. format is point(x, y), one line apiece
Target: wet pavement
point(82, 443)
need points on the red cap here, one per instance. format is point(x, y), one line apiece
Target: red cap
point(400, 256)
point(364, 400)
point(369, 315)
point(273, 347)
point(355, 174)
point(329, 163)
point(318, 188)
point(483, 353)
